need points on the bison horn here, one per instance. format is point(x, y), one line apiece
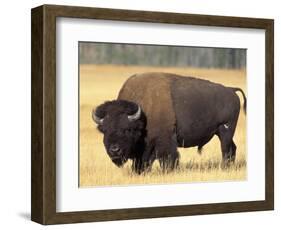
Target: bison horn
point(97, 119)
point(136, 115)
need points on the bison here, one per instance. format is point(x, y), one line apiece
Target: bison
point(157, 112)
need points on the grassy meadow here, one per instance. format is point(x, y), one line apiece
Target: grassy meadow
point(99, 83)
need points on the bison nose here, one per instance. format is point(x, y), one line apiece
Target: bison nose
point(114, 149)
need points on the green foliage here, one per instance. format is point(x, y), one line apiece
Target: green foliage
point(156, 55)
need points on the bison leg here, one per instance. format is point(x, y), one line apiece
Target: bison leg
point(228, 147)
point(170, 161)
point(229, 153)
point(167, 153)
point(137, 165)
point(233, 151)
point(148, 158)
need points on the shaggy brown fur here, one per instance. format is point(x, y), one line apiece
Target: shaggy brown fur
point(157, 91)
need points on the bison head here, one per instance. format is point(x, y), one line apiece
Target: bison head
point(123, 125)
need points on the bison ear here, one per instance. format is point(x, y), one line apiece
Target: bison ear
point(136, 115)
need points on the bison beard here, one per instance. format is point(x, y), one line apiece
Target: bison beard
point(123, 125)
point(157, 112)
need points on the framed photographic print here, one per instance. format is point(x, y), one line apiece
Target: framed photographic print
point(140, 114)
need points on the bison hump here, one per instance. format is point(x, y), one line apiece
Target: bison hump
point(152, 92)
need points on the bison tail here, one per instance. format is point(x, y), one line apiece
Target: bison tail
point(244, 98)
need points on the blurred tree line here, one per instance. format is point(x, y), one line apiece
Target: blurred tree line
point(157, 55)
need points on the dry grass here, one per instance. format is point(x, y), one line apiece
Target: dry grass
point(100, 83)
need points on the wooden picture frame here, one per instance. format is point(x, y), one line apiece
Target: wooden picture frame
point(43, 160)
